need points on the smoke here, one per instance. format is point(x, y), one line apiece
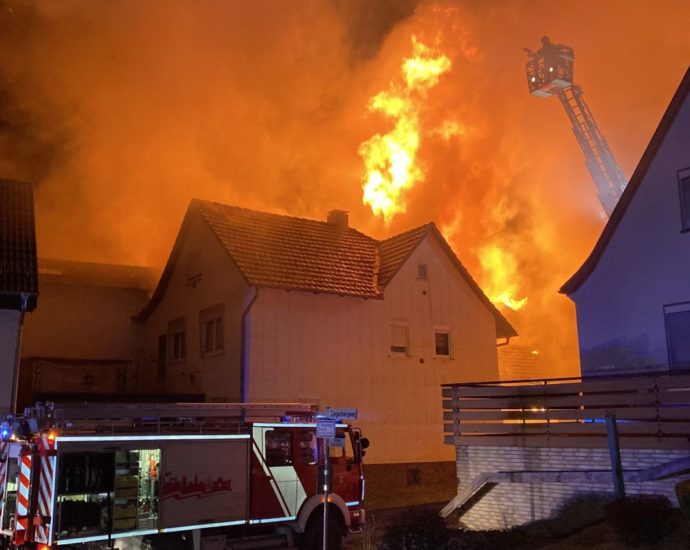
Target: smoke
point(120, 112)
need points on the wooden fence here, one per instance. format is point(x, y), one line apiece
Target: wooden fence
point(652, 411)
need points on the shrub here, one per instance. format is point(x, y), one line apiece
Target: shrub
point(641, 518)
point(577, 512)
point(486, 540)
point(415, 530)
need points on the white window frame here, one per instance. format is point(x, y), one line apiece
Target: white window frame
point(214, 315)
point(395, 353)
point(443, 329)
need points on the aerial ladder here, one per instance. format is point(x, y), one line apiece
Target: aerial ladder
point(550, 72)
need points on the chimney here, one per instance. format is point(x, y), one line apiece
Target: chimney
point(337, 218)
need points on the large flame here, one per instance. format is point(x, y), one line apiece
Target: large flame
point(502, 270)
point(390, 159)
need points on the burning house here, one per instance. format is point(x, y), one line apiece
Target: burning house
point(262, 307)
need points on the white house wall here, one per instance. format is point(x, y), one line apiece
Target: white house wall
point(645, 266)
point(217, 376)
point(9, 322)
point(336, 351)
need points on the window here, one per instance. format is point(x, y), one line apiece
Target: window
point(162, 356)
point(193, 274)
point(414, 476)
point(442, 342)
point(278, 448)
point(399, 342)
point(177, 340)
point(308, 448)
point(211, 330)
point(341, 449)
point(421, 271)
point(684, 190)
point(677, 319)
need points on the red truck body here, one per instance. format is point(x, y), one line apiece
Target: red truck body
point(90, 475)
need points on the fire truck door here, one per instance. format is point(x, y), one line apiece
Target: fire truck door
point(346, 472)
point(276, 445)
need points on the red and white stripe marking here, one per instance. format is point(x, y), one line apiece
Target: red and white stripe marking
point(22, 522)
point(4, 455)
point(45, 489)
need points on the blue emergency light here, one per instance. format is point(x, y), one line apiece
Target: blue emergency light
point(5, 432)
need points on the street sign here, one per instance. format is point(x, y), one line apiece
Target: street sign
point(325, 428)
point(341, 414)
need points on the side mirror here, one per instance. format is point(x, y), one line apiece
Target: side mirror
point(364, 442)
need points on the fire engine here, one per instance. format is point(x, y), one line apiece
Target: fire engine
point(208, 476)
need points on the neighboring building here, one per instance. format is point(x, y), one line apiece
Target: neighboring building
point(18, 278)
point(520, 362)
point(262, 307)
point(633, 292)
point(80, 342)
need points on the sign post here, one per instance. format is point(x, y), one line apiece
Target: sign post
point(325, 429)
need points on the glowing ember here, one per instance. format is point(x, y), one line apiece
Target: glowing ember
point(389, 159)
point(501, 276)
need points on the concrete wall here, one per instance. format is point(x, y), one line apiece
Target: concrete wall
point(513, 504)
point(336, 351)
point(203, 277)
point(620, 313)
point(9, 321)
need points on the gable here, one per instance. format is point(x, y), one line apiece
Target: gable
point(398, 250)
point(284, 252)
point(678, 103)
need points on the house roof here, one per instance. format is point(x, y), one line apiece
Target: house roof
point(587, 268)
point(70, 272)
point(278, 251)
point(18, 273)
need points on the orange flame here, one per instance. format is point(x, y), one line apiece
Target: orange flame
point(389, 159)
point(500, 284)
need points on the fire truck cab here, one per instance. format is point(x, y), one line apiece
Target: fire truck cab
point(176, 476)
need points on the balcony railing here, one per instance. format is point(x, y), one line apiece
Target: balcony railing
point(651, 411)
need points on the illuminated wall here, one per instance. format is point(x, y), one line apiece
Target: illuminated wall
point(646, 266)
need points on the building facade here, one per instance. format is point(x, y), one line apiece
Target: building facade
point(632, 294)
point(264, 308)
point(79, 344)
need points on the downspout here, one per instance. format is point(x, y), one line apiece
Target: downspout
point(18, 352)
point(244, 355)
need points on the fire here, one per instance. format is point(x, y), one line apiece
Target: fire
point(501, 272)
point(389, 159)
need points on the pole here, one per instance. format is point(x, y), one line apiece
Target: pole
point(615, 454)
point(326, 490)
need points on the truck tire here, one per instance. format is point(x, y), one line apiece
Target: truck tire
point(313, 534)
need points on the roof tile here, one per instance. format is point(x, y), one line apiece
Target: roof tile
point(18, 271)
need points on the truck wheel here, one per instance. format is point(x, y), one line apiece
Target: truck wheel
point(313, 534)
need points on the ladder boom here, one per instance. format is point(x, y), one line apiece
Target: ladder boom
point(599, 160)
point(550, 72)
